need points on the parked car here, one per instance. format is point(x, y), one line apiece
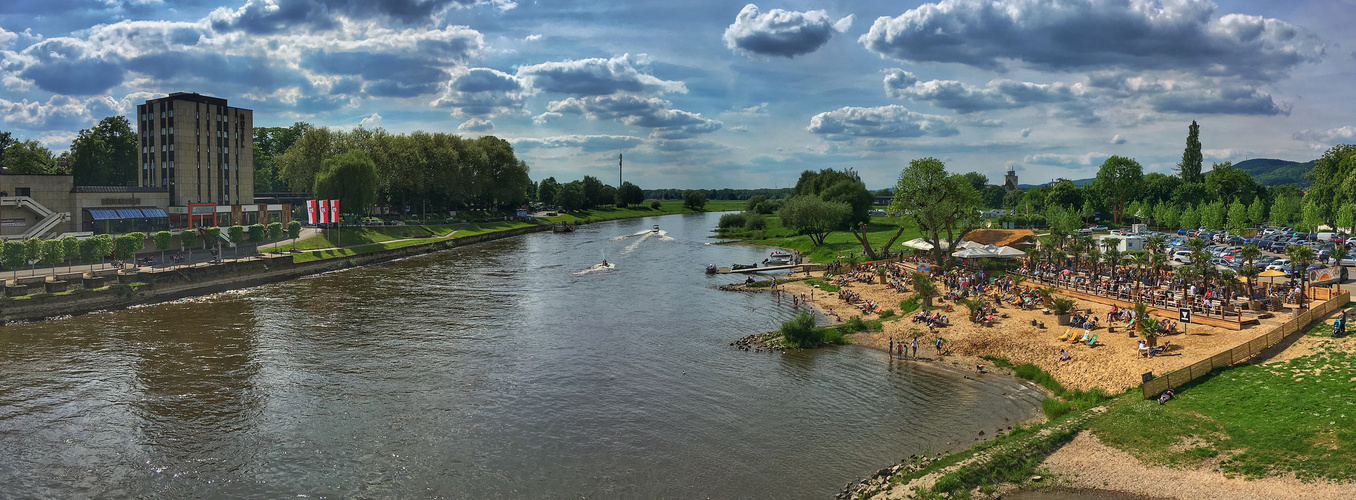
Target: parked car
point(1096, 229)
point(1182, 256)
point(1282, 264)
point(1183, 232)
point(1349, 260)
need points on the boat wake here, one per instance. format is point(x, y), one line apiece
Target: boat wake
point(595, 268)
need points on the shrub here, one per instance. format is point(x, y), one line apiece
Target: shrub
point(275, 230)
point(910, 304)
point(855, 324)
point(237, 234)
point(887, 314)
point(801, 331)
point(755, 222)
point(834, 336)
point(256, 233)
point(1062, 305)
point(655, 205)
point(729, 221)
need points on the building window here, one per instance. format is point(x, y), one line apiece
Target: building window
point(171, 147)
point(171, 113)
point(22, 191)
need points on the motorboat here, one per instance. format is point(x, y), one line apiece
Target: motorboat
point(563, 228)
point(655, 229)
point(779, 258)
point(711, 269)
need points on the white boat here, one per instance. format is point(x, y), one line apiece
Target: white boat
point(655, 229)
point(779, 258)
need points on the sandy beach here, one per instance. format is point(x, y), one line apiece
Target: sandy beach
point(1112, 364)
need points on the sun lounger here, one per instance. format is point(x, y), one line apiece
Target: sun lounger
point(1093, 341)
point(1068, 334)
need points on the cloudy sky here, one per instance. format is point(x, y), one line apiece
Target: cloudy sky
point(701, 93)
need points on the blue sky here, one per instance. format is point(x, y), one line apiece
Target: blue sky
point(708, 94)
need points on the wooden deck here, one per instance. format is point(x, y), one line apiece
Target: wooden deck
point(726, 270)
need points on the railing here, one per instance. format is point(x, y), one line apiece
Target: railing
point(1243, 351)
point(48, 221)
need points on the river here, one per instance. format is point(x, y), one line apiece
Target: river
point(501, 370)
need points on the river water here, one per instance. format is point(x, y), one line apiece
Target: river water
point(502, 370)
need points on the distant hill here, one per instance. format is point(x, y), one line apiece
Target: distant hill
point(1271, 172)
point(1265, 171)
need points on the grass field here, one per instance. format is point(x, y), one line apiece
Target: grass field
point(880, 230)
point(1258, 420)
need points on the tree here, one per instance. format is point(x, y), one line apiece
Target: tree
point(299, 165)
point(351, 178)
point(52, 252)
point(1238, 219)
point(106, 155)
point(256, 232)
point(1190, 167)
point(546, 190)
point(976, 180)
point(838, 185)
point(570, 197)
point(1257, 212)
point(29, 157)
point(162, 241)
point(1119, 178)
point(1190, 219)
point(212, 237)
point(1212, 215)
point(752, 204)
point(593, 192)
point(125, 247)
point(1167, 214)
point(13, 254)
point(1301, 256)
point(630, 194)
point(1346, 217)
point(941, 204)
point(811, 215)
point(237, 235)
point(275, 230)
point(187, 240)
point(694, 200)
point(800, 331)
point(1334, 185)
point(992, 196)
point(70, 247)
point(1064, 194)
point(1285, 210)
point(33, 250)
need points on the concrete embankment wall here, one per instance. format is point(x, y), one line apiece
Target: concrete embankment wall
point(108, 291)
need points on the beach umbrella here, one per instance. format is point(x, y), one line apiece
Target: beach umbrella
point(1008, 252)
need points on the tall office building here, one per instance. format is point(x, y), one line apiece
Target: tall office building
point(209, 160)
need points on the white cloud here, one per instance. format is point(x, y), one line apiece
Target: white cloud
point(781, 32)
point(371, 121)
point(649, 112)
point(891, 121)
point(1079, 34)
point(476, 124)
point(1327, 137)
point(1117, 139)
point(1066, 160)
point(596, 77)
point(586, 143)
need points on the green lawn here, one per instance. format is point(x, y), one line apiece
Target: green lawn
point(1261, 420)
point(330, 238)
point(880, 230)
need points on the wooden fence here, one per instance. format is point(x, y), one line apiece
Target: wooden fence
point(1244, 350)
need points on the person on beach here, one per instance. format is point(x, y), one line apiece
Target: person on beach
point(914, 345)
point(1063, 355)
point(891, 350)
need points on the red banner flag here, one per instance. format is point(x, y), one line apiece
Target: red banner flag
point(334, 211)
point(310, 212)
point(324, 211)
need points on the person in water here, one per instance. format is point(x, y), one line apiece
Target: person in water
point(604, 262)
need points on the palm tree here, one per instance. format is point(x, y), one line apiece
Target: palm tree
point(1155, 244)
point(926, 289)
point(1094, 258)
point(1140, 259)
point(1160, 263)
point(1250, 253)
point(1250, 272)
point(1300, 257)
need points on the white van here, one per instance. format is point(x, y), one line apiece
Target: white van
point(1325, 236)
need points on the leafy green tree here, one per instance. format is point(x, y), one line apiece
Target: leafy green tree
point(33, 250)
point(70, 247)
point(752, 204)
point(570, 197)
point(104, 245)
point(106, 155)
point(52, 252)
point(301, 162)
point(1286, 210)
point(351, 178)
point(1238, 219)
point(1301, 256)
point(89, 251)
point(1190, 219)
point(275, 230)
point(212, 238)
point(811, 215)
point(992, 196)
point(293, 229)
point(15, 255)
point(126, 246)
point(844, 186)
point(1334, 185)
point(546, 190)
point(941, 205)
point(1257, 212)
point(1346, 216)
point(256, 233)
point(1212, 215)
point(1229, 183)
point(162, 240)
point(694, 200)
point(1190, 167)
point(237, 236)
point(630, 194)
point(29, 157)
point(1064, 194)
point(187, 240)
point(593, 192)
point(1119, 179)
